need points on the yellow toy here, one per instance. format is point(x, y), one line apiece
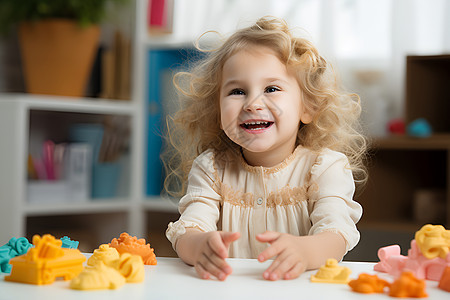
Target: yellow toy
point(433, 241)
point(104, 253)
point(98, 277)
point(107, 269)
point(331, 272)
point(46, 262)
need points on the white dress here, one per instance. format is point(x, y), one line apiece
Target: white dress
point(308, 193)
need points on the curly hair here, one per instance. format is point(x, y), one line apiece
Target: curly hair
point(196, 126)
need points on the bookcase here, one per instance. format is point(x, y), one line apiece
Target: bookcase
point(409, 177)
point(27, 119)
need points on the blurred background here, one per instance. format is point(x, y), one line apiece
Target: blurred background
point(394, 53)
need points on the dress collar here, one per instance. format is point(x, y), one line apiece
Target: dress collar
point(270, 170)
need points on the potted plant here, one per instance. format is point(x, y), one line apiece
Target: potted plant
point(58, 41)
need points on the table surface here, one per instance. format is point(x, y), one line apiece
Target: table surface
point(172, 279)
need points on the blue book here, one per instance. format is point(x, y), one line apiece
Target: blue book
point(162, 65)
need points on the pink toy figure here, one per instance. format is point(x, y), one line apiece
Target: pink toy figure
point(394, 264)
point(390, 258)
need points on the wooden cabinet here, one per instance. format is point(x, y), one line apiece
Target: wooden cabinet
point(409, 177)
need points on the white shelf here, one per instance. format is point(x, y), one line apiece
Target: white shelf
point(88, 207)
point(160, 204)
point(70, 104)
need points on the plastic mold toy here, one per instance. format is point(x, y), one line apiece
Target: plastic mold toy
point(431, 268)
point(15, 247)
point(130, 244)
point(408, 286)
point(368, 284)
point(68, 243)
point(45, 262)
point(331, 272)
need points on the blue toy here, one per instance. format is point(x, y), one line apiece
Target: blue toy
point(68, 243)
point(419, 128)
point(15, 247)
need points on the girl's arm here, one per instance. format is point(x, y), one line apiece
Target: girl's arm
point(296, 254)
point(206, 251)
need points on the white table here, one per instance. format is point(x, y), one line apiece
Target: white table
point(172, 279)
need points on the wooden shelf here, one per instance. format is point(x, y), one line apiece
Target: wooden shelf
point(403, 142)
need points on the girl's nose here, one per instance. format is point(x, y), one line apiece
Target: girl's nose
point(254, 104)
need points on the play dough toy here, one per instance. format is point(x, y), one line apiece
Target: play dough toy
point(107, 269)
point(68, 243)
point(408, 286)
point(434, 242)
point(104, 253)
point(368, 284)
point(14, 247)
point(130, 244)
point(45, 262)
point(98, 277)
point(444, 283)
point(331, 272)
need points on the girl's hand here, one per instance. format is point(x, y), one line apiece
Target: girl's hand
point(213, 250)
point(290, 261)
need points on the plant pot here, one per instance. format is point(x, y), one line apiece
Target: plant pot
point(57, 56)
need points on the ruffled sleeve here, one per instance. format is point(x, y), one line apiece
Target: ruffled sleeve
point(332, 207)
point(200, 207)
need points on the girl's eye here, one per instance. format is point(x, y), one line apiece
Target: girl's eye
point(237, 92)
point(272, 89)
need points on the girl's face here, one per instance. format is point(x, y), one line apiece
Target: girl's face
point(261, 105)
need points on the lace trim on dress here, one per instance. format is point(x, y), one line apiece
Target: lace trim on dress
point(177, 229)
point(270, 170)
point(283, 197)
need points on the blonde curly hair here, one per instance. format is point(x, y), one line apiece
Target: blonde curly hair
point(196, 126)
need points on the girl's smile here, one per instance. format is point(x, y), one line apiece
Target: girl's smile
point(256, 126)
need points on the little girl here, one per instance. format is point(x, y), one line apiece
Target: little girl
point(270, 150)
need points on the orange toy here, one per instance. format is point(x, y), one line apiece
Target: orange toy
point(444, 283)
point(45, 262)
point(408, 286)
point(368, 284)
point(130, 244)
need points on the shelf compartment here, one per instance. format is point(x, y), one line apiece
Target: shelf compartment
point(88, 207)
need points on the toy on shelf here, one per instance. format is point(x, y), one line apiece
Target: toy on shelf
point(45, 262)
point(427, 258)
point(368, 284)
point(14, 247)
point(331, 272)
point(408, 286)
point(420, 128)
point(104, 268)
point(130, 244)
point(68, 243)
point(444, 283)
point(98, 277)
